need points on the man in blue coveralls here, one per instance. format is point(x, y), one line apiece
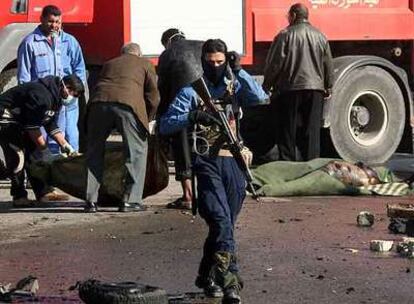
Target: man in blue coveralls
point(48, 50)
point(221, 184)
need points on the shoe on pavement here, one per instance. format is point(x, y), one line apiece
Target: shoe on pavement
point(179, 203)
point(131, 207)
point(232, 295)
point(54, 196)
point(210, 288)
point(23, 202)
point(90, 207)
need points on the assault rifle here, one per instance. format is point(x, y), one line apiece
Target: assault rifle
point(233, 142)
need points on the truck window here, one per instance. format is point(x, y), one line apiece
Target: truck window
point(19, 6)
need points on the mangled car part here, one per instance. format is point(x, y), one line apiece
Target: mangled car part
point(97, 292)
point(381, 245)
point(365, 219)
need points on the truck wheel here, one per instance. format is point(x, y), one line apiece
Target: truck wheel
point(96, 292)
point(367, 116)
point(8, 79)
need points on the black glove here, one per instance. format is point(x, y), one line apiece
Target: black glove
point(233, 59)
point(203, 118)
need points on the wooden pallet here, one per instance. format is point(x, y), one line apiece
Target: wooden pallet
point(401, 210)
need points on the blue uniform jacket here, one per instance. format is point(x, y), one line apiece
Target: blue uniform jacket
point(248, 93)
point(36, 58)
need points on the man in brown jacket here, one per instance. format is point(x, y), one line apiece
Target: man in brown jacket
point(126, 99)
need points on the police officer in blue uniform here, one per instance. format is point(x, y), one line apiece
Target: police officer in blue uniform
point(220, 182)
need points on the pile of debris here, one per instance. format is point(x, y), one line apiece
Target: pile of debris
point(25, 288)
point(401, 222)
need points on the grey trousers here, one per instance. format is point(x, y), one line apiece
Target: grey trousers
point(103, 117)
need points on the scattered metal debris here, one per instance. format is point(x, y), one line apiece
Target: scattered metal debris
point(27, 286)
point(406, 248)
point(400, 210)
point(365, 219)
point(381, 245)
point(351, 250)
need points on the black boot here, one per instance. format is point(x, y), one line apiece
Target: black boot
point(90, 207)
point(232, 295)
point(210, 288)
point(131, 207)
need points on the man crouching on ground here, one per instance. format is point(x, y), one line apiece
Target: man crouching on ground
point(220, 182)
point(23, 111)
point(126, 99)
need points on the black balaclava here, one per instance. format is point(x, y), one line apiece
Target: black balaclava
point(214, 73)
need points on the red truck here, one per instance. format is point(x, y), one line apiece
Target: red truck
point(368, 116)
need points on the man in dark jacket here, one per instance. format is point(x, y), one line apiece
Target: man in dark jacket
point(299, 73)
point(23, 111)
point(126, 99)
point(179, 65)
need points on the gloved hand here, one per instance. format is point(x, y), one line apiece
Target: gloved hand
point(233, 59)
point(68, 149)
point(203, 118)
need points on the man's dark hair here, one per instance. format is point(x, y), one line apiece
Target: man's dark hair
point(172, 34)
point(213, 46)
point(51, 10)
point(73, 82)
point(300, 10)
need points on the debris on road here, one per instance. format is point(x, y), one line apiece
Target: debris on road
point(365, 219)
point(381, 245)
point(400, 210)
point(27, 286)
point(94, 291)
point(351, 250)
point(398, 225)
point(402, 218)
point(406, 248)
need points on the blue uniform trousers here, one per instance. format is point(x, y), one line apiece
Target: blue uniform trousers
point(221, 191)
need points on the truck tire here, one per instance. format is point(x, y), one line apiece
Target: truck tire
point(367, 115)
point(96, 292)
point(8, 80)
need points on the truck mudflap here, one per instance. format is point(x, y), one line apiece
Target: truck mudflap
point(370, 108)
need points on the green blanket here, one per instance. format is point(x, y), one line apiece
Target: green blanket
point(308, 179)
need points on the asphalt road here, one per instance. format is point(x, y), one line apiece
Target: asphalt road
point(296, 250)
